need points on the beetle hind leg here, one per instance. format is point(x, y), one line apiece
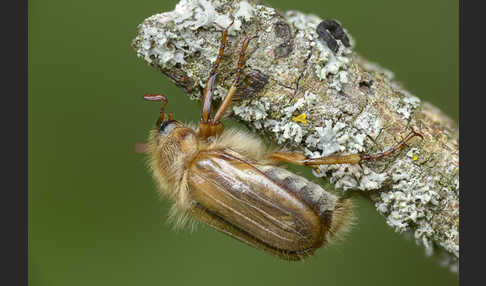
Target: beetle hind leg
point(300, 159)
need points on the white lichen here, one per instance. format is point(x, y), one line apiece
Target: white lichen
point(329, 139)
point(302, 21)
point(329, 63)
point(168, 38)
point(411, 201)
point(368, 121)
point(372, 180)
point(286, 130)
point(245, 11)
point(253, 111)
point(408, 104)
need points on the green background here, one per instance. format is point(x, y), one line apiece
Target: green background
point(94, 216)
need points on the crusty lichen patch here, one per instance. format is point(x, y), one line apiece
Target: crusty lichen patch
point(168, 39)
point(319, 102)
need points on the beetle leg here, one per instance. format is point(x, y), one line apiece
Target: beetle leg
point(376, 156)
point(222, 45)
point(300, 159)
point(217, 127)
point(204, 125)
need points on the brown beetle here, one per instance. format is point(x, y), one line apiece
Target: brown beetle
point(229, 180)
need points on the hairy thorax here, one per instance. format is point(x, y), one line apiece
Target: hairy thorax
point(170, 154)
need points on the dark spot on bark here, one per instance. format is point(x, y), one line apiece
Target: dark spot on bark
point(365, 83)
point(325, 36)
point(283, 50)
point(253, 82)
point(329, 30)
point(282, 30)
point(336, 30)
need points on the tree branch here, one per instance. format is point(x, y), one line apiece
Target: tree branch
point(302, 91)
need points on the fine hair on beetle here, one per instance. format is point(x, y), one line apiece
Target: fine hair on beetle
point(229, 180)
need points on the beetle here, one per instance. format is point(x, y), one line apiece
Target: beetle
point(229, 180)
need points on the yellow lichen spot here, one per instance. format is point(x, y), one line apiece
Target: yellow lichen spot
point(318, 171)
point(414, 157)
point(231, 10)
point(300, 118)
point(455, 170)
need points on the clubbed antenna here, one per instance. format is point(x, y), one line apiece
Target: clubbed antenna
point(158, 97)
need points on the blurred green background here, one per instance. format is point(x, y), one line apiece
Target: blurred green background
point(94, 215)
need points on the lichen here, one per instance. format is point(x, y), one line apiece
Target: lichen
point(372, 180)
point(368, 121)
point(169, 38)
point(408, 104)
point(326, 61)
point(411, 202)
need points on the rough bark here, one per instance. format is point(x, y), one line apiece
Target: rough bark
point(303, 93)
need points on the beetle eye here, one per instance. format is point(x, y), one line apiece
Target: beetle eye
point(167, 126)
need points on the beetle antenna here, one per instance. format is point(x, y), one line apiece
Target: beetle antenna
point(158, 97)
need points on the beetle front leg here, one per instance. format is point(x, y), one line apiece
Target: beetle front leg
point(216, 126)
point(205, 130)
